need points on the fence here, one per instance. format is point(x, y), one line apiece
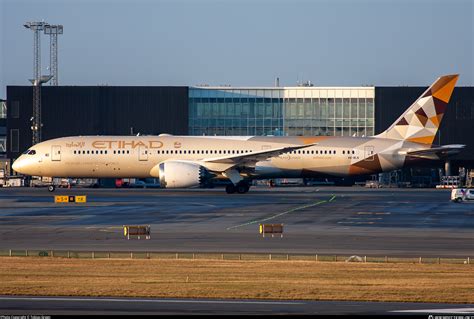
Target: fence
point(231, 256)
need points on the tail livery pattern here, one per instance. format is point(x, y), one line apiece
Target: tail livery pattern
point(421, 121)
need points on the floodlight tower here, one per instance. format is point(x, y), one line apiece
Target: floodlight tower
point(36, 124)
point(53, 31)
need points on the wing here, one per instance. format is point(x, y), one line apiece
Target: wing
point(249, 159)
point(437, 152)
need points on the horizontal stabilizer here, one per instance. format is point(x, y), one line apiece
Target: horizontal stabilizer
point(437, 152)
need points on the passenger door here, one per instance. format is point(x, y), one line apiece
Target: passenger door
point(369, 153)
point(142, 153)
point(56, 153)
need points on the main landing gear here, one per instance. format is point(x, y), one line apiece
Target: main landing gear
point(241, 188)
point(51, 188)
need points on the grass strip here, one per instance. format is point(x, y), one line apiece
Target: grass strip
point(291, 280)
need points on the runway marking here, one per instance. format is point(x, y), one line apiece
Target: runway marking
point(359, 223)
point(373, 213)
point(365, 218)
point(435, 311)
point(284, 213)
point(153, 300)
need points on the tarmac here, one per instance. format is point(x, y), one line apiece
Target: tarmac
point(147, 306)
point(317, 220)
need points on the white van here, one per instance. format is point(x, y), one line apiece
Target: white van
point(460, 194)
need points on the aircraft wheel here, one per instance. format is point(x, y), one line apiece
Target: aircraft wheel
point(51, 188)
point(230, 189)
point(242, 188)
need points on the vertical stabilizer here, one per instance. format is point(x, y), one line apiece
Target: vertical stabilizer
point(421, 120)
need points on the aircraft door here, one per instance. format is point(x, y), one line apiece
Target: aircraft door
point(143, 154)
point(56, 153)
point(369, 153)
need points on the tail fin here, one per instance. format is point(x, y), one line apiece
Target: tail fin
point(421, 120)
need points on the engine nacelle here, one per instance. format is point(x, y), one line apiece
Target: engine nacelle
point(180, 174)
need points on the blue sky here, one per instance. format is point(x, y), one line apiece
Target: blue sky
point(242, 43)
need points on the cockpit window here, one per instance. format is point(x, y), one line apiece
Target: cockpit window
point(29, 152)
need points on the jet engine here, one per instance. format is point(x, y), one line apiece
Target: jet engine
point(180, 174)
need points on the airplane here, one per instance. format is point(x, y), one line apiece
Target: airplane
point(193, 161)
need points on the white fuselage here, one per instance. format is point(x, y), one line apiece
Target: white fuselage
point(136, 156)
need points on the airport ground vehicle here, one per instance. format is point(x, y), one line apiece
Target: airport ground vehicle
point(462, 194)
point(193, 161)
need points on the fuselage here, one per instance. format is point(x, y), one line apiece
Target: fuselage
point(187, 161)
point(136, 156)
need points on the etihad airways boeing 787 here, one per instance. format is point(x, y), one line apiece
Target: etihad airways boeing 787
point(190, 161)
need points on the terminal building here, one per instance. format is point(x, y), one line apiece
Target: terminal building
point(289, 111)
point(204, 110)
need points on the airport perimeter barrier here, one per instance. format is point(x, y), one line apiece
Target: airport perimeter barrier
point(232, 256)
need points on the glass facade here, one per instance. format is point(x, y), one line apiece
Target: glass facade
point(294, 111)
point(3, 109)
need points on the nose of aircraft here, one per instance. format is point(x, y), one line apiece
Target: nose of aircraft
point(17, 165)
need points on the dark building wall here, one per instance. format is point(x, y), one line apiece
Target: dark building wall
point(98, 110)
point(107, 110)
point(457, 126)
